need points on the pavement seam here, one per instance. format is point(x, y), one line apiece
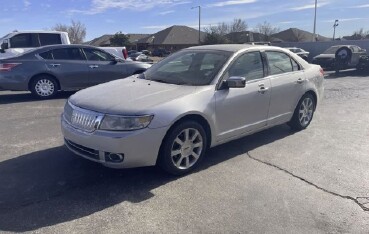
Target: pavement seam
point(366, 209)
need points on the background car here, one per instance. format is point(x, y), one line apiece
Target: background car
point(160, 52)
point(300, 52)
point(340, 57)
point(195, 99)
point(141, 57)
point(46, 70)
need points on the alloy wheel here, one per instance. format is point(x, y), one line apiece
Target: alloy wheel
point(186, 148)
point(44, 87)
point(306, 111)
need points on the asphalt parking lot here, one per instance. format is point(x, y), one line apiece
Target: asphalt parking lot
point(275, 181)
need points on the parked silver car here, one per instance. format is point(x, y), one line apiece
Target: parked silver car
point(194, 99)
point(46, 70)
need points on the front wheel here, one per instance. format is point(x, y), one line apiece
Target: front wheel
point(44, 87)
point(183, 148)
point(304, 113)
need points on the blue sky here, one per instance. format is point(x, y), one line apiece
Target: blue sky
point(148, 16)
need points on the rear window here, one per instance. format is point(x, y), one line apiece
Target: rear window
point(46, 55)
point(49, 39)
point(68, 54)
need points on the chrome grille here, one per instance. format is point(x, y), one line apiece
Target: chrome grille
point(82, 119)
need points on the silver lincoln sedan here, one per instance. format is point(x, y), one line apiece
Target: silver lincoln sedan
point(194, 99)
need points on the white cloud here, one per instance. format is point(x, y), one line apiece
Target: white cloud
point(361, 6)
point(310, 6)
point(155, 27)
point(166, 12)
point(230, 3)
point(344, 20)
point(100, 6)
point(26, 3)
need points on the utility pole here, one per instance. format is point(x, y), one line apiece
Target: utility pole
point(316, 6)
point(199, 22)
point(334, 28)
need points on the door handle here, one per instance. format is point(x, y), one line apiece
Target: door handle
point(300, 81)
point(55, 65)
point(262, 89)
point(93, 66)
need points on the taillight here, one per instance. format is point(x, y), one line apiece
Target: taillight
point(321, 71)
point(4, 67)
point(125, 53)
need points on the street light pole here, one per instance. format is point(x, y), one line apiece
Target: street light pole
point(334, 28)
point(199, 22)
point(316, 6)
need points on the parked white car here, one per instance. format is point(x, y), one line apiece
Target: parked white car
point(16, 43)
point(194, 99)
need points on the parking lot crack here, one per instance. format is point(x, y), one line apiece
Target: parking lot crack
point(362, 202)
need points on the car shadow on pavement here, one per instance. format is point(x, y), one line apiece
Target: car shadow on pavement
point(346, 73)
point(54, 186)
point(18, 97)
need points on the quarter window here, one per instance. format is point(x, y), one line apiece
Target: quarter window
point(46, 55)
point(249, 65)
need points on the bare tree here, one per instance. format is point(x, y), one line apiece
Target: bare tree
point(238, 25)
point(266, 29)
point(218, 34)
point(76, 31)
point(360, 34)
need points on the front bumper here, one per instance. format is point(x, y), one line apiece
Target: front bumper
point(140, 148)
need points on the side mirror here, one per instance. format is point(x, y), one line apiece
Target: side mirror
point(116, 60)
point(5, 45)
point(236, 82)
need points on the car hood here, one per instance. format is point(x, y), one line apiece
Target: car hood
point(325, 56)
point(130, 96)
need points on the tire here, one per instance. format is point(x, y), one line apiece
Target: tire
point(303, 113)
point(44, 87)
point(179, 156)
point(343, 57)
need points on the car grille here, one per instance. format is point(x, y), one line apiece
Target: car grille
point(82, 119)
point(79, 149)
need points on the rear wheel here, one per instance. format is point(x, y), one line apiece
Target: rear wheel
point(304, 113)
point(183, 148)
point(44, 87)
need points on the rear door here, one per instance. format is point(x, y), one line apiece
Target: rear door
point(288, 85)
point(69, 66)
point(243, 110)
point(102, 66)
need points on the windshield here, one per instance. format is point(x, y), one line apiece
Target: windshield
point(4, 36)
point(331, 50)
point(188, 67)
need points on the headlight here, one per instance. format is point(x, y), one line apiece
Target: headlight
point(125, 123)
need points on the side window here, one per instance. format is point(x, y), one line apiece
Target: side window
point(49, 39)
point(278, 62)
point(249, 65)
point(68, 54)
point(47, 55)
point(97, 55)
point(24, 40)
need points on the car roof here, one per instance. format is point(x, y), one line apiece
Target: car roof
point(231, 47)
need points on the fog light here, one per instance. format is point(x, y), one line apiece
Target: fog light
point(114, 158)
